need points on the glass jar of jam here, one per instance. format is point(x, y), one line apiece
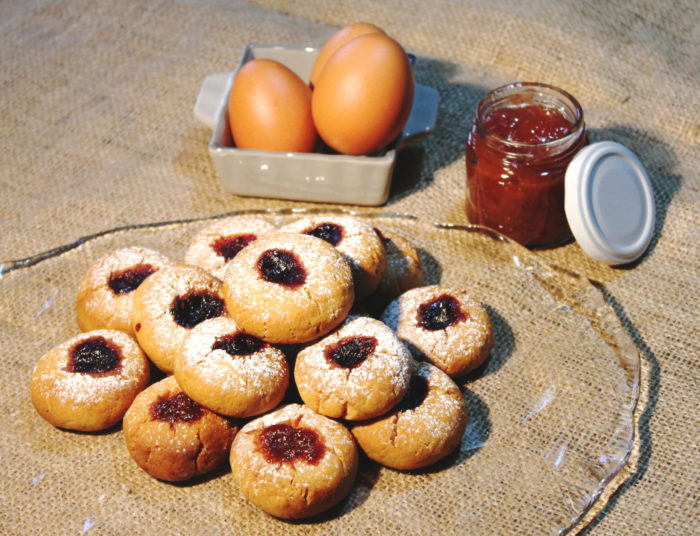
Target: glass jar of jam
point(523, 137)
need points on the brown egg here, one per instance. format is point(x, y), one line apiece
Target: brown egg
point(337, 40)
point(364, 94)
point(270, 108)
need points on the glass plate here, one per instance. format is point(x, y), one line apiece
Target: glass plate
point(550, 413)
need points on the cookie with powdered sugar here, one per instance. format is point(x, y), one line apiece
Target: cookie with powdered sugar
point(294, 463)
point(444, 326)
point(88, 382)
point(106, 290)
point(425, 426)
point(218, 243)
point(288, 288)
point(172, 437)
point(168, 305)
point(355, 240)
point(359, 371)
point(229, 371)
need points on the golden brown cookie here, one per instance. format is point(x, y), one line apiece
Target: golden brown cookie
point(288, 288)
point(106, 290)
point(426, 426)
point(446, 326)
point(172, 437)
point(88, 382)
point(404, 269)
point(293, 462)
point(168, 305)
point(229, 371)
point(359, 371)
point(357, 241)
point(219, 242)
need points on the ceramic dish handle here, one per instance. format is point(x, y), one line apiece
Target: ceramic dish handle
point(210, 98)
point(421, 121)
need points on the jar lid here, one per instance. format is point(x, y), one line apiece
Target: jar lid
point(609, 203)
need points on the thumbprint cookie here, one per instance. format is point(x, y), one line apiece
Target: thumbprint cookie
point(106, 290)
point(425, 426)
point(168, 305)
point(294, 463)
point(445, 326)
point(359, 371)
point(355, 240)
point(88, 382)
point(288, 288)
point(172, 437)
point(229, 371)
point(215, 245)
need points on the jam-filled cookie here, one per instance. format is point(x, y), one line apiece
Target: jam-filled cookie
point(168, 305)
point(172, 437)
point(215, 245)
point(229, 371)
point(88, 382)
point(293, 462)
point(445, 326)
point(359, 371)
point(106, 290)
point(425, 426)
point(357, 241)
point(288, 288)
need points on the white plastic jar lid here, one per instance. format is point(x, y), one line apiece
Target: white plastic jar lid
point(609, 203)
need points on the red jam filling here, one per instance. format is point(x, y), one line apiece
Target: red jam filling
point(440, 313)
point(95, 355)
point(351, 351)
point(281, 267)
point(286, 443)
point(417, 391)
point(330, 232)
point(527, 124)
point(176, 408)
point(238, 344)
point(129, 280)
point(229, 246)
point(196, 307)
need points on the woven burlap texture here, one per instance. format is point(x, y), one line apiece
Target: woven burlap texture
point(98, 132)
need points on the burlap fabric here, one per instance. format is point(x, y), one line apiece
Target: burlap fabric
point(98, 133)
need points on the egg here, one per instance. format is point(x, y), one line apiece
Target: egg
point(337, 40)
point(269, 108)
point(363, 96)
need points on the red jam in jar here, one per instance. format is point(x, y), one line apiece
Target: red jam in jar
point(523, 137)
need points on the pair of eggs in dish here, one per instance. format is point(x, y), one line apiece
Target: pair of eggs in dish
point(358, 100)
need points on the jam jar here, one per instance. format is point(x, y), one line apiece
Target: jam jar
point(523, 137)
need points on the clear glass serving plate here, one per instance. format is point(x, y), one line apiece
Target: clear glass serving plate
point(551, 413)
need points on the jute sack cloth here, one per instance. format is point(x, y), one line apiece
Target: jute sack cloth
point(98, 133)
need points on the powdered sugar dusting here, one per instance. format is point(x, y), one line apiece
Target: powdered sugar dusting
point(160, 335)
point(57, 382)
point(98, 305)
point(360, 245)
point(245, 379)
point(252, 469)
point(364, 391)
point(463, 341)
point(441, 410)
point(201, 251)
point(279, 313)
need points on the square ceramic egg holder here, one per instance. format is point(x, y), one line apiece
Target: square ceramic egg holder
point(318, 177)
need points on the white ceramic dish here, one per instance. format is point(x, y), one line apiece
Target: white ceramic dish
point(330, 178)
